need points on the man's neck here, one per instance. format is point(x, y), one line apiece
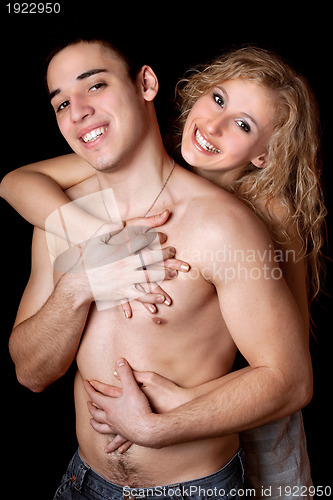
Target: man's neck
point(136, 184)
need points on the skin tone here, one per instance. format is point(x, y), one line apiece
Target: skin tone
point(226, 129)
point(92, 94)
point(269, 369)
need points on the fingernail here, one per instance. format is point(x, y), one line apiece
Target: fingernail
point(121, 362)
point(167, 302)
point(116, 374)
point(151, 308)
point(127, 315)
point(185, 267)
point(160, 299)
point(174, 274)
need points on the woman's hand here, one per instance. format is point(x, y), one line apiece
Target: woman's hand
point(163, 394)
point(128, 265)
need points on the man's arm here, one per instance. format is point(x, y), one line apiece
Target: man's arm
point(49, 322)
point(51, 319)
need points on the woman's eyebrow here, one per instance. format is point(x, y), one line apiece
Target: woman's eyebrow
point(224, 92)
point(227, 98)
point(250, 118)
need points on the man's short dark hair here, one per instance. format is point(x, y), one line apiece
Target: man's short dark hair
point(130, 60)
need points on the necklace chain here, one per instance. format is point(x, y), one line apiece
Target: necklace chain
point(161, 191)
point(155, 200)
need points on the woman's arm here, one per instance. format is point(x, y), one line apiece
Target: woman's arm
point(37, 190)
point(36, 193)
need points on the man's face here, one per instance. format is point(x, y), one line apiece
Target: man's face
point(99, 110)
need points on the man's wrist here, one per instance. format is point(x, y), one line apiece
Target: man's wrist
point(77, 289)
point(152, 433)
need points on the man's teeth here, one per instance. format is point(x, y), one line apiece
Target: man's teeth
point(94, 134)
point(205, 144)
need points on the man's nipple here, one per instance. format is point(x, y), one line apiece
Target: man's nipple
point(159, 321)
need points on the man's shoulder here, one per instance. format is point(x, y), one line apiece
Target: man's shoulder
point(210, 202)
point(218, 216)
point(201, 194)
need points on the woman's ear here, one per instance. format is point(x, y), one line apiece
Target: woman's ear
point(148, 83)
point(260, 161)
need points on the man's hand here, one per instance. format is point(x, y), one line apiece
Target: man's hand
point(99, 422)
point(162, 393)
point(126, 414)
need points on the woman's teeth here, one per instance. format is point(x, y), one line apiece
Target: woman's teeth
point(205, 144)
point(94, 134)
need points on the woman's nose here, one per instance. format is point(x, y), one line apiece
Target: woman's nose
point(215, 125)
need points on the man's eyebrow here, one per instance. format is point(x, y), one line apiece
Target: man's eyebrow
point(82, 76)
point(54, 93)
point(91, 72)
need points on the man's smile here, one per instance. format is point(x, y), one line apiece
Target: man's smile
point(91, 134)
point(94, 134)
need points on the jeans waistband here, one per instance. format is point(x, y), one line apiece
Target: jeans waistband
point(85, 478)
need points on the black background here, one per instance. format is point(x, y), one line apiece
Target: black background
point(38, 432)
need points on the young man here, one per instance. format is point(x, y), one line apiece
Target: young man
point(109, 120)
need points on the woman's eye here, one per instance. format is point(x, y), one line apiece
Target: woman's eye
point(243, 126)
point(219, 100)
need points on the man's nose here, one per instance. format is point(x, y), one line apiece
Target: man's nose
point(80, 108)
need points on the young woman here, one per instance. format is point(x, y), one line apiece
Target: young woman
point(282, 186)
point(249, 124)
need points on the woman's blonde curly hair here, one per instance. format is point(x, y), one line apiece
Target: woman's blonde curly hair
point(292, 171)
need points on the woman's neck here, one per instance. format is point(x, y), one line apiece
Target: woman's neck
point(221, 178)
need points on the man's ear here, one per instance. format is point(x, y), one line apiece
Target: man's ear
point(260, 161)
point(148, 83)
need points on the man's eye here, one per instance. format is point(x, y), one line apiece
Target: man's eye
point(97, 86)
point(63, 105)
point(243, 126)
point(219, 100)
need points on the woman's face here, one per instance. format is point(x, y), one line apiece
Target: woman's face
point(229, 127)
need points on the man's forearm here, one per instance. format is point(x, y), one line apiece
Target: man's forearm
point(254, 398)
point(44, 345)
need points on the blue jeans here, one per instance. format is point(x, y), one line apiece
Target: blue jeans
point(80, 481)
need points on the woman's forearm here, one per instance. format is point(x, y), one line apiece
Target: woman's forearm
point(41, 201)
point(33, 195)
point(36, 191)
point(202, 389)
